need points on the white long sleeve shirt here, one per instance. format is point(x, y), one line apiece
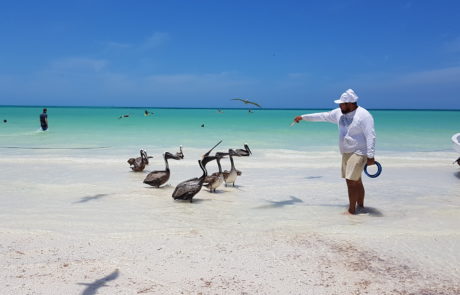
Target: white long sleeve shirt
point(356, 130)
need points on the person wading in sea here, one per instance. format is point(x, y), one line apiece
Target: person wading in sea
point(356, 142)
point(44, 120)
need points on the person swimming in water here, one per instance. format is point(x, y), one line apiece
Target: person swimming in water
point(44, 120)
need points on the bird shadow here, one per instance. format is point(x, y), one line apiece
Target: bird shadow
point(280, 204)
point(457, 174)
point(198, 201)
point(313, 177)
point(217, 192)
point(90, 198)
point(166, 186)
point(91, 288)
point(236, 187)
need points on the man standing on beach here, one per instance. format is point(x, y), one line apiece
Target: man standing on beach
point(44, 120)
point(356, 142)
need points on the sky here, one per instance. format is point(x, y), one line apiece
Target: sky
point(204, 53)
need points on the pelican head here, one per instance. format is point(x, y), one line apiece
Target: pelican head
point(247, 148)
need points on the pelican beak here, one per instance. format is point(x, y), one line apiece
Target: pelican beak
point(247, 148)
point(207, 154)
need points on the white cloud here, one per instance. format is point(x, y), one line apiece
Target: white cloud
point(431, 77)
point(453, 46)
point(78, 64)
point(298, 75)
point(117, 45)
point(157, 39)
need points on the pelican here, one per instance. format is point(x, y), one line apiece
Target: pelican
point(160, 177)
point(457, 161)
point(138, 164)
point(214, 180)
point(180, 154)
point(230, 176)
point(244, 153)
point(187, 189)
point(247, 101)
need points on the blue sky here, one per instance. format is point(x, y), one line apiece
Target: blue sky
point(281, 54)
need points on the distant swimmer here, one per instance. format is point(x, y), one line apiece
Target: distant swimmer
point(250, 111)
point(220, 111)
point(4, 121)
point(44, 120)
point(123, 116)
point(202, 125)
point(147, 113)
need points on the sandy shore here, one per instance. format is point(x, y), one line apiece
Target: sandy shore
point(66, 228)
point(194, 262)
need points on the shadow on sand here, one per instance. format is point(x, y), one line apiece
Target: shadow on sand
point(370, 211)
point(457, 174)
point(313, 177)
point(91, 288)
point(90, 198)
point(280, 204)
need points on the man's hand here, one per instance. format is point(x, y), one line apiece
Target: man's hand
point(298, 119)
point(370, 161)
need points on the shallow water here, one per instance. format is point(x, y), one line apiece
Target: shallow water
point(405, 131)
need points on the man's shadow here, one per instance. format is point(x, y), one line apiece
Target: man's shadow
point(91, 288)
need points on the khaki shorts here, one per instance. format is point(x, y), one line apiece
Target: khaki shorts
point(353, 166)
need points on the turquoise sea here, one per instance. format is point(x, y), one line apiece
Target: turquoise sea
point(100, 127)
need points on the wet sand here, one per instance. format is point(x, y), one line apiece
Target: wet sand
point(70, 227)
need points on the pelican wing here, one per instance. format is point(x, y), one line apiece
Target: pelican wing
point(157, 178)
point(187, 189)
point(209, 180)
point(254, 103)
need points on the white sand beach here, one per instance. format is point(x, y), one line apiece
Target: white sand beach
point(87, 225)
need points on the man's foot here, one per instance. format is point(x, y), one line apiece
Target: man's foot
point(348, 212)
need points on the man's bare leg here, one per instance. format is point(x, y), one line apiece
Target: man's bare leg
point(361, 193)
point(355, 194)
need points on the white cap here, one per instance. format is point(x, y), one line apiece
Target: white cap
point(347, 96)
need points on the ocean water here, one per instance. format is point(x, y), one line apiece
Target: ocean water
point(78, 127)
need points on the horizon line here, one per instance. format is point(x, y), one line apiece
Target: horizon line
point(223, 108)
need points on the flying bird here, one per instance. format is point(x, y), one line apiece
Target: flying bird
point(247, 101)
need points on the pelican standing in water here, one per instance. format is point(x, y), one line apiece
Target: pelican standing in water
point(138, 164)
point(230, 176)
point(160, 177)
point(186, 190)
point(180, 154)
point(244, 152)
point(214, 180)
